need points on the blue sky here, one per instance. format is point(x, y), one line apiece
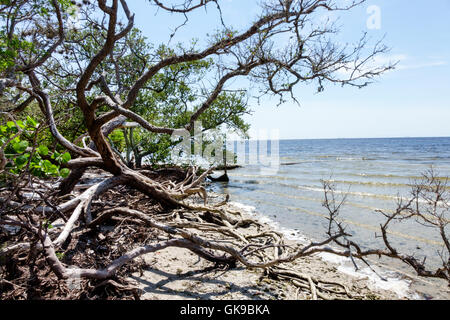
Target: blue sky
point(411, 101)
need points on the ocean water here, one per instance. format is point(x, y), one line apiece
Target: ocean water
point(372, 172)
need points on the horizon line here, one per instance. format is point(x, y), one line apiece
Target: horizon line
point(349, 138)
point(355, 138)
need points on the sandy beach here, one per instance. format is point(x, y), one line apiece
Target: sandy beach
point(176, 273)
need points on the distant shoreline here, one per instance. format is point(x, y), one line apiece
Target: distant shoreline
point(371, 138)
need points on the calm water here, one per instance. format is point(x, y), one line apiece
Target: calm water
point(372, 171)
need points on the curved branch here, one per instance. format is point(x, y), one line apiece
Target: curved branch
point(49, 52)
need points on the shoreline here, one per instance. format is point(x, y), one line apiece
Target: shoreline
point(406, 285)
point(402, 279)
point(176, 273)
point(344, 265)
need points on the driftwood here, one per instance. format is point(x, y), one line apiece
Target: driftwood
point(222, 178)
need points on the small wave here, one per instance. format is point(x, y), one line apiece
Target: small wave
point(353, 193)
point(348, 221)
point(370, 183)
point(377, 183)
point(392, 281)
point(261, 176)
point(320, 189)
point(291, 234)
point(379, 175)
point(347, 203)
point(396, 176)
point(317, 188)
point(344, 158)
point(318, 200)
point(354, 159)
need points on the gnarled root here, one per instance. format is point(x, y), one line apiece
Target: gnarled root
point(214, 232)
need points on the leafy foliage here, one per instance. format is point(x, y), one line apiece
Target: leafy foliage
point(21, 155)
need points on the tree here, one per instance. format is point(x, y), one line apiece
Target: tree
point(168, 100)
point(95, 71)
point(427, 205)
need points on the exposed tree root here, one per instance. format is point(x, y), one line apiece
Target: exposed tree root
point(193, 226)
point(183, 228)
point(317, 288)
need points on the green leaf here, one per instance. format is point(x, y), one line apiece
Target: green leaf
point(46, 165)
point(55, 155)
point(64, 172)
point(31, 122)
point(54, 170)
point(21, 146)
point(21, 160)
point(66, 157)
point(11, 124)
point(20, 124)
point(43, 150)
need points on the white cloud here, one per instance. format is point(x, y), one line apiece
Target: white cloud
point(421, 65)
point(386, 59)
point(404, 62)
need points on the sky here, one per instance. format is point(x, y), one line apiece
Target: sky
point(411, 101)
